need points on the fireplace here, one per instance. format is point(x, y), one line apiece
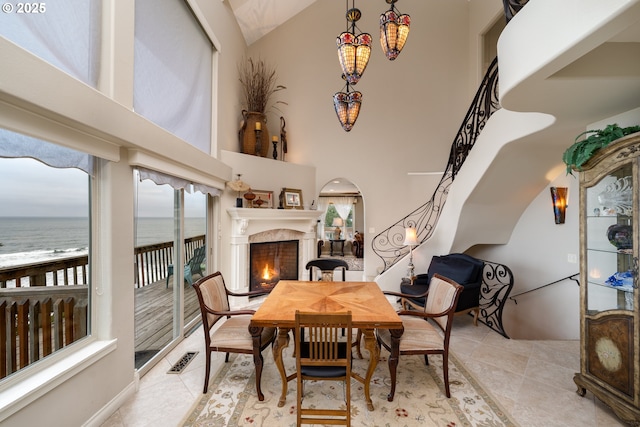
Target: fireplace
point(251, 226)
point(270, 262)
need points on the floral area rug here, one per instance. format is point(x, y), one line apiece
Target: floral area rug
point(419, 399)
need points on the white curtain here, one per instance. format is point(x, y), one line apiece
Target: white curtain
point(343, 206)
point(323, 204)
point(173, 70)
point(14, 145)
point(66, 33)
point(177, 183)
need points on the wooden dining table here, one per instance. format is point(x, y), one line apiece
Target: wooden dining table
point(369, 309)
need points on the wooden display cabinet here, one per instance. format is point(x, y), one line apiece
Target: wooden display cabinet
point(609, 304)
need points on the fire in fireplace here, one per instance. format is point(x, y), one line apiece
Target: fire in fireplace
point(270, 262)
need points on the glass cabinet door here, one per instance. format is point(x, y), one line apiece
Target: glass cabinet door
point(610, 245)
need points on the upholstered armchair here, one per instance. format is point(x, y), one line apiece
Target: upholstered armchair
point(463, 269)
point(427, 331)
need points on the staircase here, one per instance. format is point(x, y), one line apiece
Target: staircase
point(555, 79)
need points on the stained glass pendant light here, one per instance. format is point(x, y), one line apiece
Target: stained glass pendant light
point(394, 30)
point(347, 106)
point(353, 51)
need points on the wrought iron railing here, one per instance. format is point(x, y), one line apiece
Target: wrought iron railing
point(511, 7)
point(573, 277)
point(388, 245)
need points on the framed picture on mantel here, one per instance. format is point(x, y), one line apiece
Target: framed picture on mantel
point(291, 198)
point(264, 199)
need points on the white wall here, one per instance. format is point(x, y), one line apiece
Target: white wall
point(537, 253)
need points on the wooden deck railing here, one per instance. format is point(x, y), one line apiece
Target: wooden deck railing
point(152, 261)
point(43, 306)
point(39, 321)
point(60, 272)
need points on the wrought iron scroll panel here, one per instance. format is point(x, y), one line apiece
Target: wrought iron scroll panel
point(497, 281)
point(388, 244)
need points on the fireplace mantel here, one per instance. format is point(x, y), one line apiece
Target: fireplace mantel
point(250, 221)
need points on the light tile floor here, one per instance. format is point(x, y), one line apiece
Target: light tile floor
point(532, 380)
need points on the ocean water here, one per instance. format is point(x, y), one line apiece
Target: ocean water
point(29, 240)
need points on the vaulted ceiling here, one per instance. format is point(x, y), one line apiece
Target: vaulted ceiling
point(257, 17)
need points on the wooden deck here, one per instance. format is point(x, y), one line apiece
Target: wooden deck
point(154, 314)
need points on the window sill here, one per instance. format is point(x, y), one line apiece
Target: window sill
point(25, 389)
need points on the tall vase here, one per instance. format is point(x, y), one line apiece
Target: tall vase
point(250, 131)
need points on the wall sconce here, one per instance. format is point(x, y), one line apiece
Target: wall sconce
point(411, 240)
point(559, 199)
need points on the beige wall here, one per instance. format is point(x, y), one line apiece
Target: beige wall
point(412, 107)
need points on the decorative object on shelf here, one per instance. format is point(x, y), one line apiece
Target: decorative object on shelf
point(620, 236)
point(239, 186)
point(274, 141)
point(559, 199)
point(283, 137)
point(618, 196)
point(581, 151)
point(291, 198)
point(258, 131)
point(411, 240)
point(621, 279)
point(264, 199)
point(353, 51)
point(394, 30)
point(259, 83)
point(337, 223)
point(249, 196)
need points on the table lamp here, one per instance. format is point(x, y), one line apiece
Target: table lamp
point(411, 240)
point(337, 222)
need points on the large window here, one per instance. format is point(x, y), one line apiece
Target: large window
point(65, 33)
point(172, 70)
point(44, 251)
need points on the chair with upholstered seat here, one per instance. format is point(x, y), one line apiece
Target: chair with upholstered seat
point(326, 267)
point(420, 336)
point(193, 266)
point(324, 357)
point(232, 335)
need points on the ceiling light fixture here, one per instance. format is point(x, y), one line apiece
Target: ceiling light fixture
point(353, 51)
point(353, 54)
point(347, 106)
point(394, 30)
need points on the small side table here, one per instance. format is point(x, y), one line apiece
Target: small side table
point(341, 241)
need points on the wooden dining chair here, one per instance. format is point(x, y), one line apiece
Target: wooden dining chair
point(325, 356)
point(327, 267)
point(232, 336)
point(420, 336)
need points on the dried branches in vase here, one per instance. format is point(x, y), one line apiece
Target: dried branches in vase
point(259, 84)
